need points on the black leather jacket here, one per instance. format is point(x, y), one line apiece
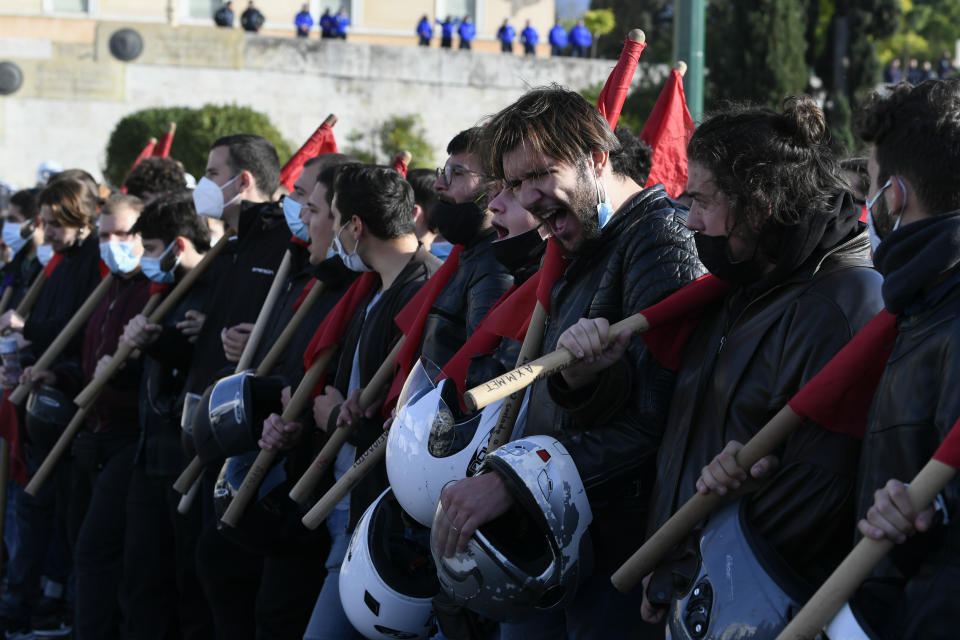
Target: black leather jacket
point(645, 253)
point(472, 290)
point(748, 356)
point(914, 591)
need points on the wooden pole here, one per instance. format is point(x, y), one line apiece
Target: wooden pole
point(75, 324)
point(546, 365)
point(189, 476)
point(697, 508)
point(26, 305)
point(342, 487)
point(264, 460)
point(305, 485)
point(5, 300)
point(92, 390)
point(859, 563)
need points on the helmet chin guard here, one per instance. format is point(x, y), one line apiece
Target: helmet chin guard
point(431, 443)
point(533, 558)
point(236, 408)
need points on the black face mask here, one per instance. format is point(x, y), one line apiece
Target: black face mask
point(459, 223)
point(517, 252)
point(715, 256)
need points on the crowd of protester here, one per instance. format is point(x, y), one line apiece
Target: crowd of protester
point(330, 301)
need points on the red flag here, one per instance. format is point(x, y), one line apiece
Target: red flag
point(166, 141)
point(104, 269)
point(145, 153)
point(483, 341)
point(303, 294)
point(322, 141)
point(331, 329)
point(54, 261)
point(400, 165)
point(412, 318)
point(667, 131)
point(513, 316)
point(839, 396)
point(615, 91)
point(674, 318)
point(949, 451)
point(10, 431)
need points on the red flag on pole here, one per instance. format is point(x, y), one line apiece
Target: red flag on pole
point(839, 396)
point(949, 450)
point(401, 163)
point(322, 141)
point(667, 131)
point(162, 149)
point(146, 152)
point(331, 329)
point(615, 90)
point(412, 318)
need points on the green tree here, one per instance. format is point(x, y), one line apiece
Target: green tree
point(655, 17)
point(926, 28)
point(197, 129)
point(600, 22)
point(386, 140)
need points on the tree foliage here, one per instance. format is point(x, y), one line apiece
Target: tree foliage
point(655, 17)
point(385, 141)
point(197, 129)
point(925, 29)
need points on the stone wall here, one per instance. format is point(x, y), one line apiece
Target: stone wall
point(73, 94)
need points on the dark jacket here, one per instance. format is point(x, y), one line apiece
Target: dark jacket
point(63, 293)
point(251, 20)
point(19, 274)
point(114, 412)
point(750, 353)
point(644, 254)
point(243, 275)
point(914, 591)
point(472, 290)
point(377, 334)
point(165, 366)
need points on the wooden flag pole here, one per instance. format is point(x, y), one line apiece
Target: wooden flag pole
point(92, 390)
point(546, 365)
point(75, 324)
point(26, 305)
point(859, 563)
point(305, 485)
point(698, 507)
point(66, 437)
point(261, 465)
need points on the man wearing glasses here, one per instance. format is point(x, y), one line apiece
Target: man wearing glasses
point(461, 216)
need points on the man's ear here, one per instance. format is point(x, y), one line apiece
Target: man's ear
point(358, 226)
point(179, 245)
point(417, 213)
point(247, 183)
point(600, 160)
point(898, 193)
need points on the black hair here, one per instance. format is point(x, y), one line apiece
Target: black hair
point(633, 158)
point(156, 176)
point(467, 141)
point(28, 203)
point(328, 177)
point(423, 193)
point(172, 215)
point(379, 196)
point(915, 132)
point(247, 152)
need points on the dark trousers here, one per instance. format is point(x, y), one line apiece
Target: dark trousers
point(529, 49)
point(164, 598)
point(506, 47)
point(257, 596)
point(556, 51)
point(446, 42)
point(578, 51)
point(424, 41)
point(465, 44)
point(101, 477)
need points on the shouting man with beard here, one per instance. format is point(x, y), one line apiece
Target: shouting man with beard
point(627, 248)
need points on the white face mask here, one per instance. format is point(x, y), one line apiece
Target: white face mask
point(351, 261)
point(44, 254)
point(208, 197)
point(11, 236)
point(875, 238)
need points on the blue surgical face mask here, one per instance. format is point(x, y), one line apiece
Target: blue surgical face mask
point(119, 256)
point(351, 261)
point(44, 254)
point(604, 206)
point(152, 269)
point(291, 211)
point(11, 236)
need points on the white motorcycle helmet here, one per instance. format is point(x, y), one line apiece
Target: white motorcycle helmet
point(431, 444)
point(533, 558)
point(387, 579)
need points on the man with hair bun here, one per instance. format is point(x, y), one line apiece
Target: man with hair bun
point(627, 248)
point(773, 219)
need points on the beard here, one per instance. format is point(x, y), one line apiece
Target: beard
point(584, 208)
point(882, 220)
